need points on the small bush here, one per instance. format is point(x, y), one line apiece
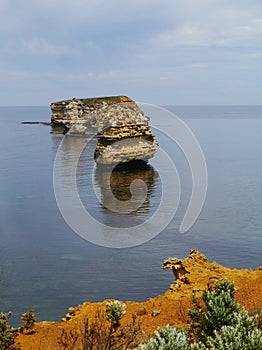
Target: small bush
point(28, 320)
point(219, 306)
point(104, 332)
point(168, 338)
point(216, 323)
point(115, 310)
point(242, 335)
point(7, 333)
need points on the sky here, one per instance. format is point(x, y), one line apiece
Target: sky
point(168, 52)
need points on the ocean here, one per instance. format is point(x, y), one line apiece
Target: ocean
point(45, 265)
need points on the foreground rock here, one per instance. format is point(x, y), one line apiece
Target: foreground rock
point(124, 134)
point(192, 275)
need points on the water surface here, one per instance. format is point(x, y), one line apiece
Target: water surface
point(45, 265)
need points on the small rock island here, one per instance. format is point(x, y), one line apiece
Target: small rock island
point(123, 131)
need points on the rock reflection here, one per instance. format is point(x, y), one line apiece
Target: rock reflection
point(115, 187)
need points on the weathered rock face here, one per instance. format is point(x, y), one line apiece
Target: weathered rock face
point(182, 267)
point(125, 135)
point(83, 113)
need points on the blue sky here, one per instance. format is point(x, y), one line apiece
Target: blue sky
point(160, 52)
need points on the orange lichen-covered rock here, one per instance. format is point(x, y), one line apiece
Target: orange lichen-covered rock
point(192, 275)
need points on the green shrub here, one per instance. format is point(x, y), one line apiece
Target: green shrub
point(115, 310)
point(219, 306)
point(7, 333)
point(28, 320)
point(168, 338)
point(242, 335)
point(217, 324)
point(103, 332)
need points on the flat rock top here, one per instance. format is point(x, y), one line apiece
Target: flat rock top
point(97, 101)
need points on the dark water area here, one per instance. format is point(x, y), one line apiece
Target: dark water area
point(45, 265)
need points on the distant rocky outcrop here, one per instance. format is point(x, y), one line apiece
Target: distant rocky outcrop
point(124, 133)
point(80, 114)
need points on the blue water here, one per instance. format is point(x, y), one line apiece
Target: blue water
point(45, 265)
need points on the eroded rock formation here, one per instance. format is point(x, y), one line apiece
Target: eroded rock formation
point(181, 267)
point(124, 134)
point(82, 113)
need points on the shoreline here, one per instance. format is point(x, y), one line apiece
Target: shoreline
point(192, 275)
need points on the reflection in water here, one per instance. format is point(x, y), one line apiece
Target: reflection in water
point(105, 192)
point(115, 186)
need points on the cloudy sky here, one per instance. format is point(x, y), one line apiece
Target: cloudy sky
point(161, 52)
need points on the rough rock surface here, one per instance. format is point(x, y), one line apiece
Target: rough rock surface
point(124, 134)
point(173, 304)
point(84, 112)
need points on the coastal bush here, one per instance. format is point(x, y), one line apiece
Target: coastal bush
point(104, 331)
point(115, 310)
point(241, 335)
point(169, 338)
point(7, 333)
point(257, 313)
point(28, 320)
point(213, 311)
point(216, 323)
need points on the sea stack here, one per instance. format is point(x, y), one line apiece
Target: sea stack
point(123, 134)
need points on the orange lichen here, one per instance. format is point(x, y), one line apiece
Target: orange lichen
point(193, 275)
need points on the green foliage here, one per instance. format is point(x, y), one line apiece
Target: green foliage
point(219, 306)
point(168, 338)
point(242, 335)
point(7, 333)
point(115, 310)
point(104, 332)
point(217, 324)
point(259, 319)
point(28, 320)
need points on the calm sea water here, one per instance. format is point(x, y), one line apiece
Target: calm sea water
point(45, 265)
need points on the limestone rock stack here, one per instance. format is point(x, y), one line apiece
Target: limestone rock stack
point(78, 115)
point(124, 134)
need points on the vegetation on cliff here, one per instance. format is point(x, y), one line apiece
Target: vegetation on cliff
point(216, 324)
point(216, 316)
